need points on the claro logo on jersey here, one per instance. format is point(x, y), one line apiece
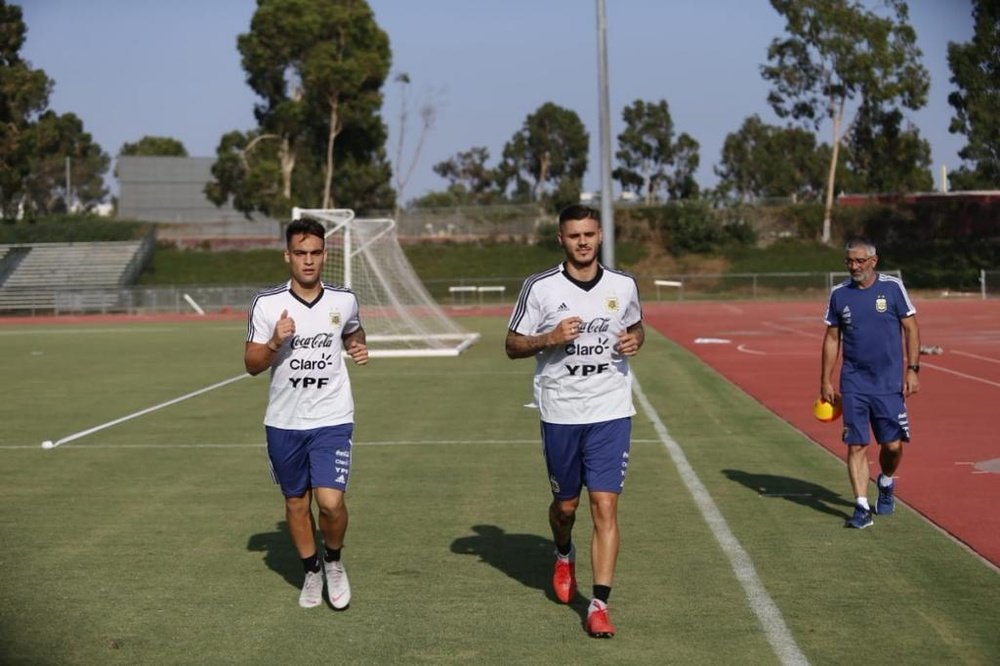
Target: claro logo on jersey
point(322, 363)
point(603, 346)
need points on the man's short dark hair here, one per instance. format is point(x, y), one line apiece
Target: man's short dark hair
point(304, 226)
point(578, 212)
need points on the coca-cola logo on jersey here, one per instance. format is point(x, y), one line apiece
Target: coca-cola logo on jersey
point(596, 325)
point(318, 341)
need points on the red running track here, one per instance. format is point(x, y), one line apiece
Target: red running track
point(950, 472)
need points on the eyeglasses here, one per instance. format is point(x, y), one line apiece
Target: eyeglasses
point(850, 261)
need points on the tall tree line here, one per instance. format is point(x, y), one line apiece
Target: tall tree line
point(318, 68)
point(48, 162)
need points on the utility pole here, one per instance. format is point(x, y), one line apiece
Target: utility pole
point(69, 184)
point(607, 197)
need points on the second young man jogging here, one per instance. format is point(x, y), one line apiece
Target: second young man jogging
point(582, 322)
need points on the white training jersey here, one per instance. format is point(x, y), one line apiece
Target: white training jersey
point(310, 387)
point(585, 380)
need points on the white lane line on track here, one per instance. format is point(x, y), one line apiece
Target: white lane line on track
point(922, 362)
point(976, 356)
point(747, 350)
point(767, 612)
point(939, 368)
point(788, 329)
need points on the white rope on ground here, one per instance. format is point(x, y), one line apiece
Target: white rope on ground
point(261, 444)
point(142, 412)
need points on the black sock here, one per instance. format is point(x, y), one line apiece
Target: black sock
point(311, 563)
point(332, 554)
point(602, 592)
point(565, 550)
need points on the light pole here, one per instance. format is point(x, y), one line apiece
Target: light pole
point(607, 208)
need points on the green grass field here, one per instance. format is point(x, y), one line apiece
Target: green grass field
point(161, 540)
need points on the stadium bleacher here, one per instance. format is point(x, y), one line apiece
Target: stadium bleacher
point(50, 268)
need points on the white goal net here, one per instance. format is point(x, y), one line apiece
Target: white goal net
point(399, 315)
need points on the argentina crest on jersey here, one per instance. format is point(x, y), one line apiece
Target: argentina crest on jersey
point(881, 305)
point(611, 303)
point(334, 319)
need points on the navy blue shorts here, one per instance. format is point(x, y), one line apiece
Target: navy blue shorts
point(304, 459)
point(595, 455)
point(885, 415)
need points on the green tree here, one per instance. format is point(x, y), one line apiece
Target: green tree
point(53, 140)
point(681, 183)
point(318, 67)
point(762, 160)
point(838, 52)
point(156, 146)
point(881, 156)
point(549, 150)
point(650, 160)
point(975, 70)
point(470, 180)
point(253, 179)
point(24, 94)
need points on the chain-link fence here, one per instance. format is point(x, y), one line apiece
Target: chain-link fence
point(458, 292)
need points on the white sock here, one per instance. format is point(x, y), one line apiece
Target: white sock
point(863, 503)
point(884, 481)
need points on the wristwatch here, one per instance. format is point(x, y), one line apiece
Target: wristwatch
point(915, 367)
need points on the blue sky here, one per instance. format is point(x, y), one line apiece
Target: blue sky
point(131, 68)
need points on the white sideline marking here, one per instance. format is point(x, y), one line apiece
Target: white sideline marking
point(141, 412)
point(771, 620)
point(84, 331)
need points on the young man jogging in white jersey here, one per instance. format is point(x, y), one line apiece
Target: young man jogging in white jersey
point(872, 318)
point(582, 322)
point(298, 331)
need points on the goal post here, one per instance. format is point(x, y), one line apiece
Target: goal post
point(399, 315)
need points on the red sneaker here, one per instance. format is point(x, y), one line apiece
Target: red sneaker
point(564, 580)
point(598, 623)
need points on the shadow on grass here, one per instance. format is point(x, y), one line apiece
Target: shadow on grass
point(279, 553)
point(805, 493)
point(527, 558)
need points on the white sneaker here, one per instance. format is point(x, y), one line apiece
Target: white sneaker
point(312, 590)
point(338, 589)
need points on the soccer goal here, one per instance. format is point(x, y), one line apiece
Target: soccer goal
point(989, 284)
point(399, 315)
